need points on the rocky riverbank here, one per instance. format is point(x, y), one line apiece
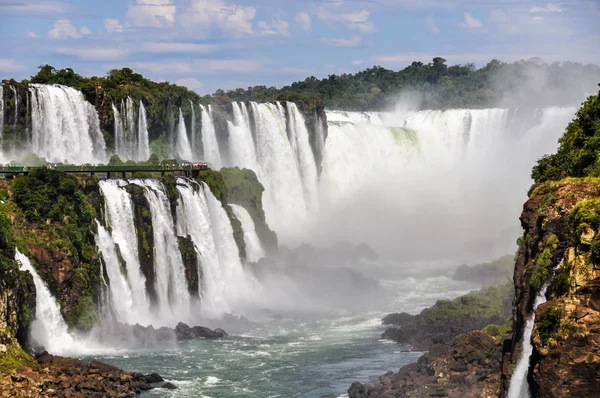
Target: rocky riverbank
point(442, 322)
point(54, 376)
point(469, 367)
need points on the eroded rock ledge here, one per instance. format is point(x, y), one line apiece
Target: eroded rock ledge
point(54, 376)
point(469, 367)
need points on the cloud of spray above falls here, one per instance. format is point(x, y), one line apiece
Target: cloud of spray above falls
point(445, 185)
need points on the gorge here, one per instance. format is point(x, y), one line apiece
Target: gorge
point(156, 251)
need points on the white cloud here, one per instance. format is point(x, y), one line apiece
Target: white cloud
point(64, 29)
point(85, 31)
point(550, 8)
point(358, 20)
point(94, 53)
point(151, 13)
point(163, 47)
point(303, 20)
point(34, 7)
point(8, 65)
point(191, 83)
point(354, 41)
point(470, 22)
point(229, 18)
point(277, 27)
point(31, 34)
point(113, 25)
point(431, 26)
point(200, 66)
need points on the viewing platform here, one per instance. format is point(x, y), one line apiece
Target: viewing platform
point(188, 169)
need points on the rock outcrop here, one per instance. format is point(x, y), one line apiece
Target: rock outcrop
point(561, 222)
point(470, 367)
point(440, 323)
point(54, 376)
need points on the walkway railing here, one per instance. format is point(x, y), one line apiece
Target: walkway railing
point(187, 168)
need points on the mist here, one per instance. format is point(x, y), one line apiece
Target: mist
point(444, 186)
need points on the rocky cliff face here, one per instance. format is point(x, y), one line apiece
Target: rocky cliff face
point(560, 248)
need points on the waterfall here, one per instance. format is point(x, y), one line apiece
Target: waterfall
point(320, 140)
point(254, 248)
point(143, 141)
point(210, 144)
point(242, 150)
point(119, 132)
point(305, 158)
point(132, 303)
point(193, 218)
point(194, 134)
point(184, 150)
point(202, 216)
point(131, 131)
point(445, 174)
point(284, 200)
point(16, 118)
point(171, 285)
point(121, 296)
point(49, 328)
point(518, 381)
point(65, 127)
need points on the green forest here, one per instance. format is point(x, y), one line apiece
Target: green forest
point(435, 85)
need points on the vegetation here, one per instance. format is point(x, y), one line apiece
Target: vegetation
point(548, 325)
point(216, 182)
point(579, 147)
point(542, 265)
point(55, 217)
point(244, 189)
point(439, 85)
point(486, 303)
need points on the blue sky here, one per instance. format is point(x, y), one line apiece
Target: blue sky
point(210, 44)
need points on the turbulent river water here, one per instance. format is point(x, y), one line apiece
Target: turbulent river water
point(285, 355)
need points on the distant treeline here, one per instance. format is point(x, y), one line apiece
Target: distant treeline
point(437, 86)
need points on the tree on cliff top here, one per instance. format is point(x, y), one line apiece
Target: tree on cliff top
point(579, 148)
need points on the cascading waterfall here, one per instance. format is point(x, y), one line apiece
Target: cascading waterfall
point(143, 141)
point(285, 205)
point(184, 149)
point(131, 131)
point(171, 285)
point(212, 154)
point(518, 381)
point(129, 291)
point(49, 328)
point(193, 219)
point(16, 116)
point(304, 155)
point(254, 248)
point(379, 168)
point(242, 151)
point(119, 132)
point(65, 127)
point(195, 143)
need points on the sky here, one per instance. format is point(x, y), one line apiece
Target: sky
point(211, 44)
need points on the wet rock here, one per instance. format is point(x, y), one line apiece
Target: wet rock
point(169, 386)
point(184, 332)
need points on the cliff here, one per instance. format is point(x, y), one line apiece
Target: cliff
point(559, 249)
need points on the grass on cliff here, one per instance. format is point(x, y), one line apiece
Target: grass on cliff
point(487, 303)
